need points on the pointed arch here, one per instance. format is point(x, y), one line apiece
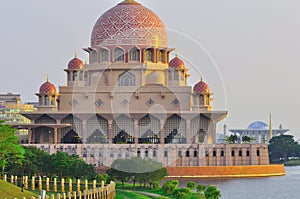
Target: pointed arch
point(123, 126)
point(76, 126)
point(149, 129)
point(45, 119)
point(175, 129)
point(127, 79)
point(149, 55)
point(97, 130)
point(199, 124)
point(104, 55)
point(135, 54)
point(119, 54)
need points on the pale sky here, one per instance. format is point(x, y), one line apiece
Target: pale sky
point(252, 46)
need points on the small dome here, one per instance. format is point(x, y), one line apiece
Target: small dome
point(176, 63)
point(201, 87)
point(258, 125)
point(75, 64)
point(47, 88)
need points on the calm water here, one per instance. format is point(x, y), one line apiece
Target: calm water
point(257, 188)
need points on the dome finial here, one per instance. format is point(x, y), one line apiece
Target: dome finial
point(47, 79)
point(201, 78)
point(75, 54)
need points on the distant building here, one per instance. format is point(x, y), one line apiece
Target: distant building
point(260, 131)
point(10, 109)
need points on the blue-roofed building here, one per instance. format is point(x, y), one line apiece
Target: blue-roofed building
point(259, 130)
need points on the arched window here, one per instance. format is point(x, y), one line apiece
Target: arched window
point(176, 75)
point(119, 54)
point(134, 54)
point(94, 56)
point(46, 100)
point(74, 75)
point(149, 55)
point(104, 55)
point(160, 56)
point(69, 76)
point(127, 79)
point(53, 100)
point(80, 75)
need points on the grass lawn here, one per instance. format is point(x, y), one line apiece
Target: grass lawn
point(10, 191)
point(127, 194)
point(295, 162)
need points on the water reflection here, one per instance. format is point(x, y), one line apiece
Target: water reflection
point(255, 188)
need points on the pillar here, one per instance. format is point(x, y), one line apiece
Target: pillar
point(33, 183)
point(84, 131)
point(29, 136)
point(47, 185)
point(78, 185)
point(162, 132)
point(70, 186)
point(62, 185)
point(55, 136)
point(55, 185)
point(136, 132)
point(5, 177)
point(110, 132)
point(26, 182)
point(12, 179)
point(16, 180)
point(40, 184)
point(188, 132)
point(86, 185)
point(94, 184)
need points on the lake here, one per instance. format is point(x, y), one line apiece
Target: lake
point(256, 188)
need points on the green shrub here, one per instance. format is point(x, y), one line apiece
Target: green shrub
point(156, 185)
point(182, 193)
point(211, 192)
point(201, 188)
point(170, 186)
point(191, 185)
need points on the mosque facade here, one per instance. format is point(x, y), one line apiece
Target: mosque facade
point(132, 99)
point(260, 131)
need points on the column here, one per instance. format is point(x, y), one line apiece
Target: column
point(29, 136)
point(110, 132)
point(55, 136)
point(136, 132)
point(162, 132)
point(84, 131)
point(188, 132)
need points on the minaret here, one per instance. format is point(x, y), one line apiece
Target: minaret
point(270, 126)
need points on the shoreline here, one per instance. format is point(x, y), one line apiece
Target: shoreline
point(227, 171)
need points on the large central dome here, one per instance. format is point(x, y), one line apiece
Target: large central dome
point(129, 23)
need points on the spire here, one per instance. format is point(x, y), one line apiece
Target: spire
point(201, 78)
point(270, 126)
point(75, 54)
point(47, 79)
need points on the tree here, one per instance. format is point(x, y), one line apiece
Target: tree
point(232, 139)
point(211, 192)
point(9, 147)
point(201, 188)
point(282, 147)
point(247, 139)
point(191, 185)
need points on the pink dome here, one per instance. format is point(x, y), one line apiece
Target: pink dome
point(129, 23)
point(75, 63)
point(47, 88)
point(201, 87)
point(176, 63)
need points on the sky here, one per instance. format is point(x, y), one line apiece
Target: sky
point(246, 50)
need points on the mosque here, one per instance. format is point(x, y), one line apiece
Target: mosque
point(132, 99)
point(260, 131)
